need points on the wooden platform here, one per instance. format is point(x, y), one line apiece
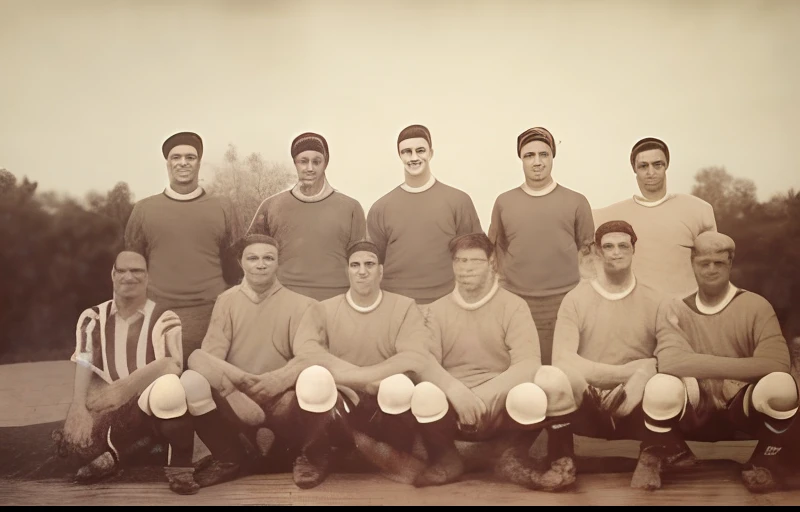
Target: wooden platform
point(39, 393)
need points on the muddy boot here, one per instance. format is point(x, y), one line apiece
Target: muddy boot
point(516, 466)
point(310, 471)
point(181, 480)
point(216, 472)
point(102, 467)
point(759, 479)
point(647, 474)
point(396, 465)
point(680, 456)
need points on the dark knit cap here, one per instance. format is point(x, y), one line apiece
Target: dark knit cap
point(181, 139)
point(614, 226)
point(363, 245)
point(647, 144)
point(415, 131)
point(532, 134)
point(249, 240)
point(310, 142)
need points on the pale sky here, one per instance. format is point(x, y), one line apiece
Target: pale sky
point(90, 89)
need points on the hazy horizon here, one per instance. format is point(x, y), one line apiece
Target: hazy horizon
point(91, 89)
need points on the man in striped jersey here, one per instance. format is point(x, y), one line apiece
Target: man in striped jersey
point(129, 356)
point(724, 367)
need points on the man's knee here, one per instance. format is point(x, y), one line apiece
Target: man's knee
point(664, 402)
point(394, 394)
point(526, 403)
point(165, 398)
point(316, 390)
point(558, 389)
point(775, 396)
point(428, 403)
point(198, 393)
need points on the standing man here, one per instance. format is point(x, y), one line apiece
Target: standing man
point(604, 340)
point(667, 224)
point(724, 367)
point(312, 223)
point(185, 234)
point(541, 230)
point(412, 224)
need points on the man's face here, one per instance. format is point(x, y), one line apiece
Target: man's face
point(260, 264)
point(365, 273)
point(651, 170)
point(472, 269)
point(416, 155)
point(183, 165)
point(129, 276)
point(310, 167)
point(616, 251)
point(712, 271)
point(537, 161)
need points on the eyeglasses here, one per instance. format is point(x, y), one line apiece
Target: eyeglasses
point(137, 273)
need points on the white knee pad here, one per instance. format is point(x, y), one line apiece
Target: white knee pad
point(558, 390)
point(664, 398)
point(316, 389)
point(775, 395)
point(394, 394)
point(428, 403)
point(198, 393)
point(164, 398)
point(526, 403)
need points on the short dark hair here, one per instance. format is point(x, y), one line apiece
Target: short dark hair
point(249, 240)
point(614, 226)
point(472, 241)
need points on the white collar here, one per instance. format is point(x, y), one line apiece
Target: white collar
point(183, 197)
point(713, 310)
point(651, 204)
point(538, 193)
point(362, 309)
point(423, 188)
point(472, 307)
point(319, 196)
point(613, 296)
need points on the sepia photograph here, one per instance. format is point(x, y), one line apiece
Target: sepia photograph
point(408, 252)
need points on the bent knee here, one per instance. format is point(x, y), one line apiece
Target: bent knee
point(558, 389)
point(394, 394)
point(428, 403)
point(198, 393)
point(775, 396)
point(526, 403)
point(166, 398)
point(664, 400)
point(316, 390)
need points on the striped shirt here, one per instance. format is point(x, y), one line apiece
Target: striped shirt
point(113, 347)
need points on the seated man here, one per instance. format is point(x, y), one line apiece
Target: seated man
point(486, 341)
point(723, 366)
point(378, 337)
point(604, 340)
point(259, 340)
point(128, 357)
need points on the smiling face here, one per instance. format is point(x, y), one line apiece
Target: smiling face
point(183, 165)
point(129, 276)
point(310, 167)
point(537, 163)
point(616, 252)
point(416, 155)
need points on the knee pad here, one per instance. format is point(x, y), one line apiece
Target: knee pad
point(557, 388)
point(198, 393)
point(526, 403)
point(775, 396)
point(428, 403)
point(664, 399)
point(394, 394)
point(167, 398)
point(316, 390)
